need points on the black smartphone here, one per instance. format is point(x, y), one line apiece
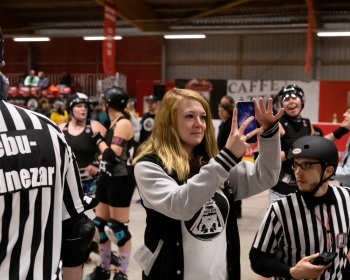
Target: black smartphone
point(245, 110)
point(324, 258)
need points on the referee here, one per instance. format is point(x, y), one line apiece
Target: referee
point(314, 220)
point(42, 223)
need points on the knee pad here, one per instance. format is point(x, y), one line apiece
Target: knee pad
point(100, 224)
point(117, 232)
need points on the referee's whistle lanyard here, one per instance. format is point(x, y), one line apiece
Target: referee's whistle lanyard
point(326, 227)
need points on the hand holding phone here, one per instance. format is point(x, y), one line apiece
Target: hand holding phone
point(324, 258)
point(245, 110)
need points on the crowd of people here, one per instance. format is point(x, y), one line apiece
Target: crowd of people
point(188, 180)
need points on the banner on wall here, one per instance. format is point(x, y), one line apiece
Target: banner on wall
point(109, 44)
point(245, 90)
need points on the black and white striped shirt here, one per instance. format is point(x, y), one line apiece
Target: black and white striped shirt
point(291, 231)
point(39, 188)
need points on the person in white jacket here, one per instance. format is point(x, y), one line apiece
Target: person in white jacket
point(191, 230)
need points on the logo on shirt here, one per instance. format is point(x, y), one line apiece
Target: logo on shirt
point(210, 221)
point(148, 124)
point(342, 239)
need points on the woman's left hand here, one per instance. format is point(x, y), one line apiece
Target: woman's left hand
point(264, 117)
point(92, 170)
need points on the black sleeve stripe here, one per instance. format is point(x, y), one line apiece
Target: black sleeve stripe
point(271, 131)
point(37, 231)
point(226, 159)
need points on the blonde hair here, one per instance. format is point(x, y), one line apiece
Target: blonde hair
point(165, 142)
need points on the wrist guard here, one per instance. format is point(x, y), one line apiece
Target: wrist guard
point(339, 132)
point(105, 168)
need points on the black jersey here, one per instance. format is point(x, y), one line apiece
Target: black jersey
point(39, 188)
point(82, 145)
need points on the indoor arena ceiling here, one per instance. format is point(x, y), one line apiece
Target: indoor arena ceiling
point(58, 18)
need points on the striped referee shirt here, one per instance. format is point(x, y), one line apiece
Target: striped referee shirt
point(39, 188)
point(291, 231)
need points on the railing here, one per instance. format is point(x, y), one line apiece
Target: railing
point(86, 83)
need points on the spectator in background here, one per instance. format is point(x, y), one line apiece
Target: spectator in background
point(30, 83)
point(147, 121)
point(44, 107)
point(227, 103)
point(43, 82)
point(59, 113)
point(31, 80)
point(134, 118)
point(66, 79)
point(98, 114)
point(227, 99)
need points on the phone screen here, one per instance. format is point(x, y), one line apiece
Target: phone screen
point(245, 110)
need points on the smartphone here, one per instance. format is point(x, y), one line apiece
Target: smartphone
point(324, 258)
point(245, 110)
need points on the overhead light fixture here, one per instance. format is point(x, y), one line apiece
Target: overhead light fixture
point(333, 34)
point(100, 38)
point(31, 39)
point(193, 36)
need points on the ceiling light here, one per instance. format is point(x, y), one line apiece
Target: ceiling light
point(31, 39)
point(193, 36)
point(333, 34)
point(100, 38)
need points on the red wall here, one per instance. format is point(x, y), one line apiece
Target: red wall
point(333, 99)
point(139, 58)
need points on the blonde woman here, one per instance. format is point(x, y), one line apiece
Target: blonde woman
point(191, 230)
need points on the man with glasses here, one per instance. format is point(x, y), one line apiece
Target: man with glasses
point(302, 225)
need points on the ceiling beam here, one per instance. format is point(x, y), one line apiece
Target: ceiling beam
point(138, 14)
point(9, 22)
point(211, 11)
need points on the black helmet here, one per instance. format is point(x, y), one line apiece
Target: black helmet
point(116, 97)
point(289, 90)
point(316, 147)
point(76, 98)
point(2, 62)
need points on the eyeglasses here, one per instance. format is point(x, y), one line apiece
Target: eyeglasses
point(304, 165)
point(289, 96)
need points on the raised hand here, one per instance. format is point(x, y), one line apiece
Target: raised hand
point(236, 142)
point(265, 117)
